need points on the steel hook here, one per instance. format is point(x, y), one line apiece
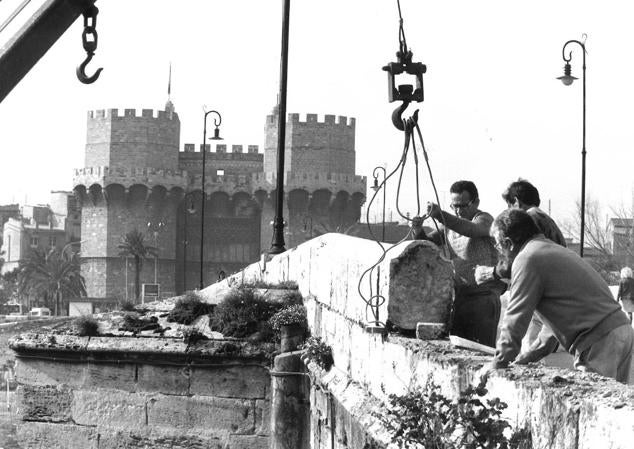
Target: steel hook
point(397, 120)
point(81, 71)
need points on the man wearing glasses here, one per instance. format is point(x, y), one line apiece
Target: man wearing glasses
point(569, 295)
point(466, 232)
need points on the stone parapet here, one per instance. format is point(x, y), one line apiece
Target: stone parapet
point(127, 177)
point(562, 408)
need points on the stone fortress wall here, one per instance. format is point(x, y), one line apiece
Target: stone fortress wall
point(136, 177)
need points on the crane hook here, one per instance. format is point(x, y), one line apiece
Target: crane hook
point(81, 71)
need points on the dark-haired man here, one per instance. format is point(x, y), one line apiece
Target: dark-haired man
point(569, 295)
point(476, 307)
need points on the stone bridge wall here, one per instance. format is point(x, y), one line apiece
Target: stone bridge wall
point(115, 392)
point(563, 409)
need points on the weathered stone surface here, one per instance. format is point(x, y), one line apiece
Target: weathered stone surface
point(156, 439)
point(31, 435)
point(247, 442)
point(50, 342)
point(45, 372)
point(136, 345)
point(421, 286)
point(163, 379)
point(45, 403)
point(263, 417)
point(248, 382)
point(430, 331)
point(110, 375)
point(607, 422)
point(109, 408)
point(209, 416)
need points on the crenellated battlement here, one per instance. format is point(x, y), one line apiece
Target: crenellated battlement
point(313, 119)
point(115, 113)
point(311, 181)
point(219, 148)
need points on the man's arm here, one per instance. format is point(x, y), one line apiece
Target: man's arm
point(526, 292)
point(545, 344)
point(478, 227)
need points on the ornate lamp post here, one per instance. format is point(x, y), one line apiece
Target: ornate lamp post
point(203, 198)
point(277, 245)
point(375, 187)
point(567, 79)
point(308, 225)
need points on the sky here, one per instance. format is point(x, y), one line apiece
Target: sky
point(493, 109)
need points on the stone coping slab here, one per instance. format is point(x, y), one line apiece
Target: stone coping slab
point(136, 348)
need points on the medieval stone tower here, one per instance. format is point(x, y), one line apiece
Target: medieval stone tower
point(135, 177)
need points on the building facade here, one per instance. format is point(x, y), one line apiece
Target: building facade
point(136, 177)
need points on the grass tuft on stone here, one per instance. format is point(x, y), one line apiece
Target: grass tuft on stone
point(86, 326)
point(188, 308)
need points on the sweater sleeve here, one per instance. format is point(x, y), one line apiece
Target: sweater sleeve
point(525, 293)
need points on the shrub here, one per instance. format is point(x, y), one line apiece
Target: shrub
point(319, 352)
point(293, 314)
point(192, 335)
point(133, 323)
point(284, 285)
point(188, 308)
point(243, 313)
point(126, 305)
point(86, 326)
point(428, 418)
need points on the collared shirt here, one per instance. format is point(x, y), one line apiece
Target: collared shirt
point(567, 293)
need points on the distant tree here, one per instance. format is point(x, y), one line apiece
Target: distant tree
point(51, 276)
point(133, 245)
point(323, 228)
point(597, 235)
point(9, 286)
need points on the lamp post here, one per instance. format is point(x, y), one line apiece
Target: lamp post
point(567, 79)
point(155, 230)
point(202, 200)
point(188, 211)
point(308, 225)
point(375, 187)
point(277, 245)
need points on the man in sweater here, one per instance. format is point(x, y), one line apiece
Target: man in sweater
point(568, 294)
point(466, 233)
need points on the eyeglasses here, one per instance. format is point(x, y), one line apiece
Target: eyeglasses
point(461, 206)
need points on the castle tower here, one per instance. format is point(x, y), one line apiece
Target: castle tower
point(322, 192)
point(130, 181)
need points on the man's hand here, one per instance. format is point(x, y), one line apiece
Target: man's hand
point(434, 211)
point(483, 274)
point(417, 228)
point(484, 373)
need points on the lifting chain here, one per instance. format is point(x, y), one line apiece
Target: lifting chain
point(89, 41)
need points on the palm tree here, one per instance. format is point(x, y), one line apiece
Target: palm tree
point(51, 276)
point(133, 244)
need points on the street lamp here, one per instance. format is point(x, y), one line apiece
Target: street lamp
point(202, 200)
point(189, 210)
point(375, 187)
point(155, 230)
point(567, 79)
point(308, 225)
point(277, 245)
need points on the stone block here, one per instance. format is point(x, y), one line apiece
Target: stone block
point(56, 436)
point(421, 286)
point(209, 416)
point(262, 417)
point(108, 375)
point(45, 403)
point(245, 382)
point(157, 439)
point(45, 372)
point(163, 379)
point(430, 331)
point(607, 422)
point(109, 408)
point(247, 442)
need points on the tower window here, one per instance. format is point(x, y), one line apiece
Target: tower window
point(220, 172)
point(34, 242)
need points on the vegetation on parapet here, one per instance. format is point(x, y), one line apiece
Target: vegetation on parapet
point(318, 352)
point(188, 308)
point(426, 418)
point(294, 314)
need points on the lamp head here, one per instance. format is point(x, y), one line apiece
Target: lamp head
point(567, 78)
point(216, 134)
point(375, 187)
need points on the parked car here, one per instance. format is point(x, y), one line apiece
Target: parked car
point(40, 311)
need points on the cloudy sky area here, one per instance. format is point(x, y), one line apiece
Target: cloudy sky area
point(493, 110)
